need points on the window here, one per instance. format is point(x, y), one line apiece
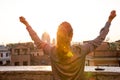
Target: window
point(1, 62)
point(1, 54)
point(24, 51)
point(17, 51)
point(8, 62)
point(16, 63)
point(7, 54)
point(25, 63)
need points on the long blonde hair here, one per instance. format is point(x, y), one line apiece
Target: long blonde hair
point(64, 37)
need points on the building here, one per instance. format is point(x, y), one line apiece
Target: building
point(106, 54)
point(45, 37)
point(20, 54)
point(37, 55)
point(39, 58)
point(5, 57)
point(23, 54)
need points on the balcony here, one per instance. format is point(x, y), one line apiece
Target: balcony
point(44, 73)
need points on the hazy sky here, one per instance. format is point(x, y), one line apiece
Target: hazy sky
point(87, 17)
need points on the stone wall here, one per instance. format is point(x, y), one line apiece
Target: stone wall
point(25, 75)
point(44, 73)
point(107, 76)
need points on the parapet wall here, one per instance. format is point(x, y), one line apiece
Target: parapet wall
point(44, 73)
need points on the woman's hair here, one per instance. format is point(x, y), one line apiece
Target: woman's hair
point(64, 36)
point(64, 32)
point(66, 28)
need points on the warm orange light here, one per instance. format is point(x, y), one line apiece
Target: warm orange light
point(69, 54)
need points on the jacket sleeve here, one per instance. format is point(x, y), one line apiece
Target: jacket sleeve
point(93, 44)
point(38, 42)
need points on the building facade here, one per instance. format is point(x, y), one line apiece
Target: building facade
point(20, 55)
point(5, 56)
point(39, 58)
point(104, 55)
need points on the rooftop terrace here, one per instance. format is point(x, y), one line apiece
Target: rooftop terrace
point(44, 73)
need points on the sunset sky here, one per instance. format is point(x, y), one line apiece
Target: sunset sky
point(87, 17)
